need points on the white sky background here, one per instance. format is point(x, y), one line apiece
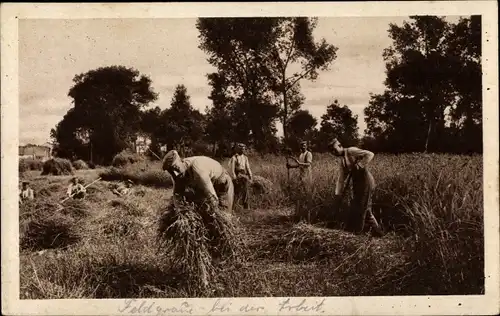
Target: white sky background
point(52, 52)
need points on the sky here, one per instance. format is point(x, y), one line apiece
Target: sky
point(52, 52)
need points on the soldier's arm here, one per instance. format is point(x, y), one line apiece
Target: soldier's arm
point(204, 183)
point(231, 164)
point(307, 160)
point(363, 157)
point(179, 188)
point(340, 181)
point(70, 188)
point(247, 166)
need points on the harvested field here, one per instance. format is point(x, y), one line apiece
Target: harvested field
point(107, 246)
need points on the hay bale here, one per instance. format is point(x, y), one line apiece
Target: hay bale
point(57, 166)
point(196, 238)
point(80, 164)
point(261, 185)
point(126, 157)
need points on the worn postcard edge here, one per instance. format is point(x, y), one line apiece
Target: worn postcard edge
point(395, 305)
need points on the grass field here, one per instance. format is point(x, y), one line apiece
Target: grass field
point(104, 247)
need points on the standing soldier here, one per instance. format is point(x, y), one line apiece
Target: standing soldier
point(304, 163)
point(205, 176)
point(239, 169)
point(354, 161)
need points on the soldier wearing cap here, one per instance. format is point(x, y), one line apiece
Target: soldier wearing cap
point(26, 192)
point(241, 173)
point(75, 189)
point(205, 176)
point(124, 188)
point(354, 161)
point(304, 163)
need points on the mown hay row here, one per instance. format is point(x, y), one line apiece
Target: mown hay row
point(155, 178)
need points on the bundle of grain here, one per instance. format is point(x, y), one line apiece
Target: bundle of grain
point(80, 164)
point(195, 237)
point(57, 166)
point(261, 185)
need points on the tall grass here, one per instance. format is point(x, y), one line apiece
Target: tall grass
point(430, 205)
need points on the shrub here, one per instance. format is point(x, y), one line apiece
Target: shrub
point(57, 166)
point(26, 164)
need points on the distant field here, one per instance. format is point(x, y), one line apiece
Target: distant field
point(104, 247)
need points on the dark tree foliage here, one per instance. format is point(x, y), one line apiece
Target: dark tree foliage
point(432, 100)
point(180, 126)
point(301, 127)
point(255, 57)
point(338, 122)
point(106, 113)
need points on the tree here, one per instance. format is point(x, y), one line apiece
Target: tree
point(464, 50)
point(302, 127)
point(105, 117)
point(256, 55)
point(219, 130)
point(338, 122)
point(181, 125)
point(295, 48)
point(233, 46)
point(433, 67)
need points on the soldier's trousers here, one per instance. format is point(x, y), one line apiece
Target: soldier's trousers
point(242, 188)
point(225, 191)
point(361, 206)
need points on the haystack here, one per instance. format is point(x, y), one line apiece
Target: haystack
point(196, 239)
point(126, 157)
point(261, 185)
point(57, 166)
point(80, 164)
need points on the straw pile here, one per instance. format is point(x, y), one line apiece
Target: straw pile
point(57, 166)
point(197, 240)
point(261, 185)
point(44, 225)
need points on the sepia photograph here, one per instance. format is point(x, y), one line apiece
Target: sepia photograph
point(292, 156)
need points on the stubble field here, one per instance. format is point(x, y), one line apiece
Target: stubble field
point(105, 246)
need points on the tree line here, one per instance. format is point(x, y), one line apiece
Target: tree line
point(432, 101)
